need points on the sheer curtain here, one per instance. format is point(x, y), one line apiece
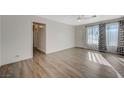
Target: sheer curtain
point(92, 37)
point(112, 36)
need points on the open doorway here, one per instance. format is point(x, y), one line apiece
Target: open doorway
point(39, 34)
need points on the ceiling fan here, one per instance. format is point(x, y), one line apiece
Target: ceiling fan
point(81, 17)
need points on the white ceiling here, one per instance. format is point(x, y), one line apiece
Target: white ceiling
point(72, 19)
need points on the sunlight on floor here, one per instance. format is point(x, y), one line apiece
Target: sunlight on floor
point(97, 58)
point(121, 59)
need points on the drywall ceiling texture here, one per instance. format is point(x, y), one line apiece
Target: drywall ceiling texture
point(72, 19)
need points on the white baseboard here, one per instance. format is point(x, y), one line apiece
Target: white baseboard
point(57, 50)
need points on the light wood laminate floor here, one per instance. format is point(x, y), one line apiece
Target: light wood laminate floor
point(69, 63)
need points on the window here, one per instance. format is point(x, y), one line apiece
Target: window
point(112, 36)
point(93, 35)
point(111, 30)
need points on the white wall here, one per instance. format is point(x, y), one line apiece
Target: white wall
point(59, 36)
point(80, 36)
point(16, 38)
point(0, 41)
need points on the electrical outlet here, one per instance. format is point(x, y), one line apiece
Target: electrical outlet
point(17, 56)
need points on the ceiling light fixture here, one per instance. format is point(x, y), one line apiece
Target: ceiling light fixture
point(81, 17)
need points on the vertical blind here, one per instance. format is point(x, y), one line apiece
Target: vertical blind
point(111, 37)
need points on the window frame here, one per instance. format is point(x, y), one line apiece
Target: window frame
point(92, 40)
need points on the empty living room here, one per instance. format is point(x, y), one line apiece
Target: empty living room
point(62, 46)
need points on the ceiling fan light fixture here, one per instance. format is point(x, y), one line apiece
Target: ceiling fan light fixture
point(85, 17)
point(89, 16)
point(79, 18)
